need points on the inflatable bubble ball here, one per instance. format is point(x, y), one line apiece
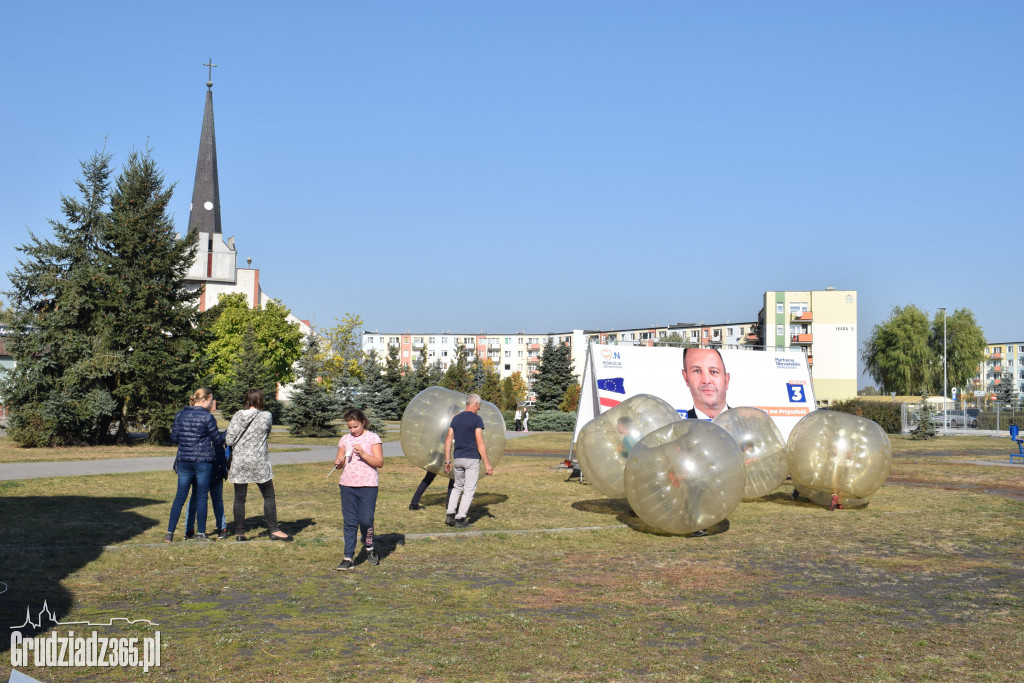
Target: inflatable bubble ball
point(604, 442)
point(765, 461)
point(425, 424)
point(684, 477)
point(842, 457)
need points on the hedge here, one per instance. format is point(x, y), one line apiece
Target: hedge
point(885, 413)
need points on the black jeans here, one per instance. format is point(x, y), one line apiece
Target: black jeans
point(269, 506)
point(428, 479)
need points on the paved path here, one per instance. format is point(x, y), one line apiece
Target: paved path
point(66, 468)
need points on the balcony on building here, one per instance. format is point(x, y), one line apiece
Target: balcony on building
point(533, 360)
point(533, 347)
point(494, 345)
point(996, 356)
point(803, 317)
point(417, 345)
point(801, 338)
point(997, 368)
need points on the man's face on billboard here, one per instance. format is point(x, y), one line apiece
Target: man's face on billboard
point(707, 379)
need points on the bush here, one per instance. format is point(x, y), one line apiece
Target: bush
point(552, 421)
point(885, 413)
point(510, 419)
point(1007, 416)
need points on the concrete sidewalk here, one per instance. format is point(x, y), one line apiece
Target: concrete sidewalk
point(71, 468)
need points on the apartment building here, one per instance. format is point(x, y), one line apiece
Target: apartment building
point(1004, 362)
point(824, 324)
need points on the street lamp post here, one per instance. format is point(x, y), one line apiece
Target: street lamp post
point(945, 392)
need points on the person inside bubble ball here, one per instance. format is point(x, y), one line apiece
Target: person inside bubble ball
point(705, 375)
point(629, 439)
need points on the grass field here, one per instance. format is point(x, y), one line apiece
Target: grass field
point(553, 582)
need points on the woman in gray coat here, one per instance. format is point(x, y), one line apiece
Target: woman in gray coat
point(250, 463)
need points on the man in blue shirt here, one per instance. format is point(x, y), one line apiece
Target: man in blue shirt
point(467, 433)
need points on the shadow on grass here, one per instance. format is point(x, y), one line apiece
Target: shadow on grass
point(481, 507)
point(625, 515)
point(47, 538)
point(385, 544)
point(257, 526)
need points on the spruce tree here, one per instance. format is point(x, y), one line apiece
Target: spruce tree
point(554, 376)
point(459, 376)
point(313, 407)
point(148, 314)
point(376, 394)
point(104, 326)
point(925, 428)
point(249, 372)
point(54, 394)
point(1006, 393)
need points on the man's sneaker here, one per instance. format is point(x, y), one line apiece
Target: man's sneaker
point(702, 532)
point(203, 537)
point(190, 535)
point(449, 519)
point(224, 535)
point(416, 506)
point(372, 557)
point(345, 565)
point(461, 523)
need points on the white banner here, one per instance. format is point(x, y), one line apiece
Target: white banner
point(777, 381)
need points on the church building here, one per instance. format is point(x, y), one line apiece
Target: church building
point(216, 270)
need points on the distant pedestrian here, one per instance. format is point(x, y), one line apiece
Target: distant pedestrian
point(360, 455)
point(526, 421)
point(250, 463)
point(195, 431)
point(518, 425)
point(467, 434)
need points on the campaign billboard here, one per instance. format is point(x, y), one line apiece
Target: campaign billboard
point(777, 381)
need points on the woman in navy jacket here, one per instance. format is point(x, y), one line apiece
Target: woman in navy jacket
point(195, 431)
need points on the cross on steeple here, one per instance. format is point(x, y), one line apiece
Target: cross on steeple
point(210, 64)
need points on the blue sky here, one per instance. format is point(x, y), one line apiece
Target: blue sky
point(553, 165)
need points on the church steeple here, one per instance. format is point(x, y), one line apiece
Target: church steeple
point(205, 209)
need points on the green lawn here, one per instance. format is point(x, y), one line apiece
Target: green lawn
point(555, 582)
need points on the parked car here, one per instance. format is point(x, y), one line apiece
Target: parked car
point(955, 418)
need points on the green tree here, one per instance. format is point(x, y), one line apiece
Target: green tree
point(104, 323)
point(673, 339)
point(415, 380)
point(313, 406)
point(925, 428)
point(278, 340)
point(459, 376)
point(554, 375)
point(898, 356)
point(344, 356)
point(1006, 393)
point(965, 347)
point(249, 372)
point(375, 393)
point(571, 400)
point(393, 371)
point(490, 387)
point(513, 390)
